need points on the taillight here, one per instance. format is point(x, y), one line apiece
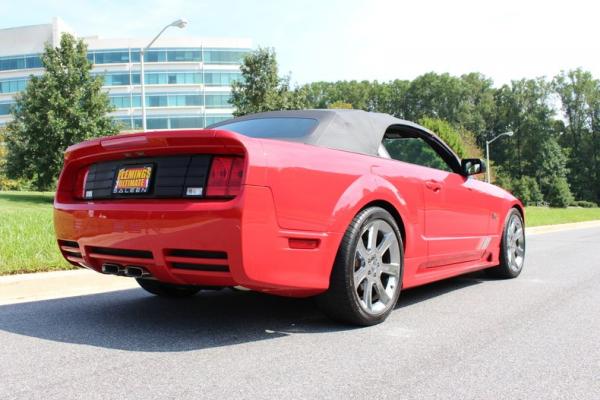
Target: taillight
point(225, 177)
point(79, 190)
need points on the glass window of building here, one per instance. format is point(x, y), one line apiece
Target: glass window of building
point(218, 100)
point(13, 85)
point(220, 56)
point(6, 107)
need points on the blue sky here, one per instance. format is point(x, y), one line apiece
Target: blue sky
point(359, 39)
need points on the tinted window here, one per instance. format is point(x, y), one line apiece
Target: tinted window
point(415, 151)
point(272, 127)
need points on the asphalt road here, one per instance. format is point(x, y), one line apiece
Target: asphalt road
point(534, 337)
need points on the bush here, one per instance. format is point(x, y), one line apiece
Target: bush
point(501, 178)
point(583, 204)
point(527, 190)
point(558, 193)
point(14, 184)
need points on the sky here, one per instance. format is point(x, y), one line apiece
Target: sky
point(359, 39)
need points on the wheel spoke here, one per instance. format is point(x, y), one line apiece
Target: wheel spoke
point(385, 244)
point(361, 250)
point(368, 294)
point(511, 230)
point(383, 296)
point(519, 233)
point(360, 276)
point(519, 251)
point(372, 236)
point(392, 269)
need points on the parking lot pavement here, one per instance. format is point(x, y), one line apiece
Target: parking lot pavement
point(468, 337)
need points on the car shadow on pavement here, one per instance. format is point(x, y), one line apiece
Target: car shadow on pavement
point(132, 320)
point(419, 294)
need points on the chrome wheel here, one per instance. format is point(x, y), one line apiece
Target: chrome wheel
point(515, 243)
point(377, 267)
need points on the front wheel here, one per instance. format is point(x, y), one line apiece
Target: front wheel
point(367, 274)
point(512, 248)
point(162, 289)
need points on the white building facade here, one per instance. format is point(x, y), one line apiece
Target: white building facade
point(187, 80)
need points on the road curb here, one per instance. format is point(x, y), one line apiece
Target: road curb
point(59, 284)
point(536, 230)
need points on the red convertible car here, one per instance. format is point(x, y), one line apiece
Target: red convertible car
point(344, 205)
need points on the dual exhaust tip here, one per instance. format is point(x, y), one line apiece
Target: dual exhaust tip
point(131, 271)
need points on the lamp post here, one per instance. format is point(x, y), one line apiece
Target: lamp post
point(487, 151)
point(180, 23)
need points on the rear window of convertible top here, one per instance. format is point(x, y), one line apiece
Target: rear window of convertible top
point(279, 127)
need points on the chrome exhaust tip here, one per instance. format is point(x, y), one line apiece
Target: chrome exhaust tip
point(111, 269)
point(135, 272)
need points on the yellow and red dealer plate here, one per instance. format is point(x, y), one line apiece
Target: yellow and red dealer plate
point(133, 179)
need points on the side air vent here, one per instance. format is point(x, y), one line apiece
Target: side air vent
point(71, 251)
point(217, 255)
point(197, 260)
point(109, 251)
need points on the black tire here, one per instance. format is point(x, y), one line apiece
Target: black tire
point(169, 290)
point(342, 301)
point(509, 268)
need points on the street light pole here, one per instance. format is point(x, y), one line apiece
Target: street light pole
point(180, 23)
point(487, 152)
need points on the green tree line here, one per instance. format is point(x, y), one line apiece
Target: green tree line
point(553, 156)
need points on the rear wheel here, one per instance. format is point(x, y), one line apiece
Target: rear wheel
point(512, 248)
point(367, 274)
point(162, 289)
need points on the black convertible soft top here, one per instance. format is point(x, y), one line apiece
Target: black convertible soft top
point(350, 130)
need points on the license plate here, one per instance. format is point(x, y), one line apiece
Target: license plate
point(133, 179)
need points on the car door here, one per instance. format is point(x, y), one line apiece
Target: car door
point(456, 219)
point(456, 216)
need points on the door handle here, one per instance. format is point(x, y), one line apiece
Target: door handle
point(433, 185)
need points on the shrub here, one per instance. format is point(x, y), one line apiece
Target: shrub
point(583, 203)
point(527, 190)
point(501, 178)
point(15, 184)
point(558, 192)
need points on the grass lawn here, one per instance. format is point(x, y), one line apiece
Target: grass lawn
point(27, 241)
point(536, 216)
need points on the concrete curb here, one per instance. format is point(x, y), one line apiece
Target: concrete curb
point(536, 230)
point(53, 285)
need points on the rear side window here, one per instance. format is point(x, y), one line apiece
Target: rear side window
point(275, 128)
point(414, 151)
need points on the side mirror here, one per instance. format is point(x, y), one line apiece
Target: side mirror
point(472, 166)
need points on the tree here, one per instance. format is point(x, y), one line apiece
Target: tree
point(477, 111)
point(580, 97)
point(340, 105)
point(461, 141)
point(62, 107)
point(261, 88)
point(551, 172)
point(523, 107)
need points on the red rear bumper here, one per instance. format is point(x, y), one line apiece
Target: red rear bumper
point(223, 243)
